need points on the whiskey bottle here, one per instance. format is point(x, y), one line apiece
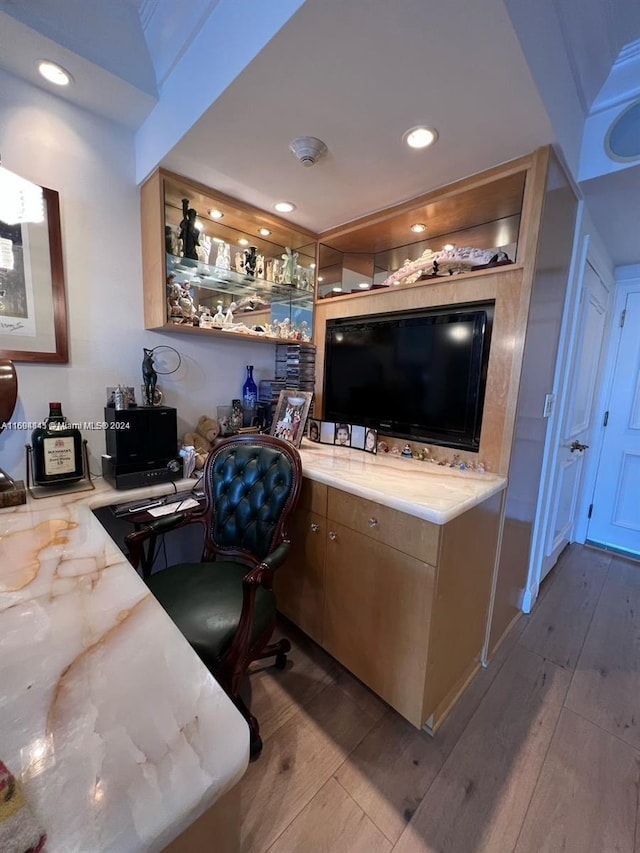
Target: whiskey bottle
point(57, 450)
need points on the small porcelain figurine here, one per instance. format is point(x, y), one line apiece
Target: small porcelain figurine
point(205, 318)
point(218, 317)
point(250, 261)
point(406, 451)
point(238, 262)
point(204, 249)
point(228, 317)
point(186, 304)
point(269, 269)
point(223, 258)
point(304, 331)
point(289, 260)
point(260, 266)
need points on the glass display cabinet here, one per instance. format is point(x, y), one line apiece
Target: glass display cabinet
point(214, 265)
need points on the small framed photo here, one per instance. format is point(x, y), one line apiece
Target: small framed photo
point(313, 430)
point(371, 440)
point(327, 432)
point(342, 435)
point(357, 437)
point(291, 415)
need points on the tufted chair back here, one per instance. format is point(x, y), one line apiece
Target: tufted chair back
point(252, 483)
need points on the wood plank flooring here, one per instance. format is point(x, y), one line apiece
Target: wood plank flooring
point(540, 755)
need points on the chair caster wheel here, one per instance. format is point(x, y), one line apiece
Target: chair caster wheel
point(281, 661)
point(255, 747)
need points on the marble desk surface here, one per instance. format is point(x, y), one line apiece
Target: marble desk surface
point(121, 736)
point(423, 489)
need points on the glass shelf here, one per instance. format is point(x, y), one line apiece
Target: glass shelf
point(236, 302)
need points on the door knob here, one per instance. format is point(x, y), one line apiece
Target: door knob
point(577, 446)
point(332, 535)
point(315, 527)
point(373, 522)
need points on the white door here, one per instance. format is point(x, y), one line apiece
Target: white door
point(615, 512)
point(575, 435)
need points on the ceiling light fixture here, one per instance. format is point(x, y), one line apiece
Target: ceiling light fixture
point(336, 289)
point(243, 241)
point(448, 247)
point(264, 232)
point(420, 137)
point(320, 278)
point(418, 227)
point(364, 285)
point(54, 73)
point(216, 214)
point(284, 207)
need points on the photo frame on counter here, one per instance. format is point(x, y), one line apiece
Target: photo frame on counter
point(290, 416)
point(33, 310)
point(341, 434)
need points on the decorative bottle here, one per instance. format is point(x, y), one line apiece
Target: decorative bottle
point(57, 450)
point(249, 397)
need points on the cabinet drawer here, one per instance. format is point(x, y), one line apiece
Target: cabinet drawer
point(404, 532)
point(313, 496)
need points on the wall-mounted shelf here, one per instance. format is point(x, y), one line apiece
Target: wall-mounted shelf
point(180, 291)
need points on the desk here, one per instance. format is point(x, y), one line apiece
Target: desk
point(122, 737)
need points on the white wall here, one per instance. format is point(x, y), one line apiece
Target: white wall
point(90, 162)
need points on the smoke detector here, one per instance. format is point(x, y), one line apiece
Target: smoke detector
point(307, 149)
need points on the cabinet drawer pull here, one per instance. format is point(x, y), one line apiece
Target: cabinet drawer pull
point(332, 535)
point(373, 522)
point(315, 527)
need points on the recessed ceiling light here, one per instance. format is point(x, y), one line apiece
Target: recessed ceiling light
point(337, 289)
point(216, 214)
point(364, 285)
point(243, 241)
point(312, 266)
point(420, 137)
point(54, 73)
point(217, 239)
point(418, 227)
point(448, 247)
point(264, 232)
point(320, 278)
point(284, 207)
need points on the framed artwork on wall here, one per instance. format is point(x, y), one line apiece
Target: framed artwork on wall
point(33, 311)
point(290, 415)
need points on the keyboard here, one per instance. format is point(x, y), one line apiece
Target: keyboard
point(132, 507)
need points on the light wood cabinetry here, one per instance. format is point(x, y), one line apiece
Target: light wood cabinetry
point(399, 601)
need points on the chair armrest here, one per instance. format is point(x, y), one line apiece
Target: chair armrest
point(135, 541)
point(263, 572)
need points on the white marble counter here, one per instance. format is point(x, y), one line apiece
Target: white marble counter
point(120, 734)
point(423, 489)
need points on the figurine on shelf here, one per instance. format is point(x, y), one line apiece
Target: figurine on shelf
point(170, 241)
point(276, 271)
point(218, 317)
point(304, 331)
point(239, 262)
point(290, 260)
point(228, 317)
point(223, 258)
point(260, 266)
point(205, 318)
point(285, 328)
point(186, 304)
point(250, 261)
point(204, 249)
point(268, 271)
point(188, 231)
point(149, 376)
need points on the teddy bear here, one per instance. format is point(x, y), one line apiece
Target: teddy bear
point(202, 439)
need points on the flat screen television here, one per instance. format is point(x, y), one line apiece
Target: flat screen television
point(416, 375)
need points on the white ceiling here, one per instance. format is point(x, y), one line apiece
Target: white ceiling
point(356, 74)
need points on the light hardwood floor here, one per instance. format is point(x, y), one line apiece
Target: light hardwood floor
point(542, 753)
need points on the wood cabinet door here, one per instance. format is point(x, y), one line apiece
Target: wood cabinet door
point(299, 582)
point(377, 613)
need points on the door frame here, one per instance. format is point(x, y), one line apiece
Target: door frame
point(627, 280)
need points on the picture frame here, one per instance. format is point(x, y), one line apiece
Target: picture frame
point(291, 414)
point(33, 310)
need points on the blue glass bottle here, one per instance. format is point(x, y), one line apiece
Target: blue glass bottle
point(249, 397)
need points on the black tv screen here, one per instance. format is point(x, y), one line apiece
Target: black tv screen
point(416, 375)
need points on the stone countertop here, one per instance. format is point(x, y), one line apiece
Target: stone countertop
point(120, 734)
point(423, 489)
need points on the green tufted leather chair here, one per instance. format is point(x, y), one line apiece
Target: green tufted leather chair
point(225, 605)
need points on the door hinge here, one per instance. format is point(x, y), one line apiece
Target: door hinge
point(623, 317)
point(606, 419)
point(590, 510)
